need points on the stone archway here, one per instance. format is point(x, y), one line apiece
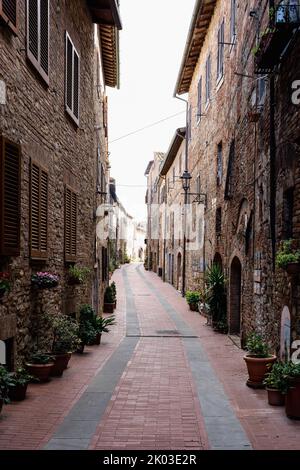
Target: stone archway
point(178, 282)
point(218, 260)
point(235, 296)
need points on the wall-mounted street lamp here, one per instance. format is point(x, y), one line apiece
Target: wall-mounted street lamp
point(186, 179)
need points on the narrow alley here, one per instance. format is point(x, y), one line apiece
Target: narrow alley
point(162, 379)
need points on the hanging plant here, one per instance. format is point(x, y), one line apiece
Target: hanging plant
point(44, 280)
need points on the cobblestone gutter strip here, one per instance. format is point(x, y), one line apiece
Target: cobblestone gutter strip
point(223, 428)
point(79, 426)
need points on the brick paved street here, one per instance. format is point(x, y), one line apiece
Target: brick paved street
point(161, 379)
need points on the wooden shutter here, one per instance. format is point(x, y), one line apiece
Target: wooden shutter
point(9, 13)
point(38, 36)
point(10, 189)
point(38, 212)
point(72, 91)
point(70, 225)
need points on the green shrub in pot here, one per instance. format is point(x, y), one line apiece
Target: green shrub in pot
point(192, 298)
point(258, 359)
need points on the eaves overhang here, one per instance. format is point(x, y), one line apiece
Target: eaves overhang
point(105, 12)
point(173, 150)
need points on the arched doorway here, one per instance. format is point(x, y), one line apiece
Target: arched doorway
point(218, 260)
point(235, 296)
point(178, 283)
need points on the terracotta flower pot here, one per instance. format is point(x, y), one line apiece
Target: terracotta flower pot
point(60, 364)
point(108, 308)
point(257, 369)
point(292, 401)
point(40, 371)
point(18, 393)
point(275, 397)
point(193, 307)
point(293, 268)
point(80, 349)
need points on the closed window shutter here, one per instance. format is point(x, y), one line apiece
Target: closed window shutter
point(70, 225)
point(38, 36)
point(9, 13)
point(72, 91)
point(10, 171)
point(38, 212)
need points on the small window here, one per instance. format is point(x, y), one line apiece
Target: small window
point(233, 21)
point(229, 177)
point(38, 36)
point(288, 210)
point(70, 225)
point(199, 107)
point(72, 80)
point(208, 79)
point(9, 13)
point(38, 212)
point(10, 183)
point(220, 164)
point(220, 66)
point(218, 221)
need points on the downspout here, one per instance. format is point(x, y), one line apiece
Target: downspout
point(186, 161)
point(272, 163)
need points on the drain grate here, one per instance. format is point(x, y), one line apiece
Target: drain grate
point(167, 332)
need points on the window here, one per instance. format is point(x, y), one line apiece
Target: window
point(38, 36)
point(220, 66)
point(261, 89)
point(208, 78)
point(70, 225)
point(288, 209)
point(218, 221)
point(38, 212)
point(199, 107)
point(72, 80)
point(232, 21)
point(229, 177)
point(10, 172)
point(104, 263)
point(220, 164)
point(9, 13)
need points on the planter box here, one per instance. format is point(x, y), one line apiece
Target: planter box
point(257, 369)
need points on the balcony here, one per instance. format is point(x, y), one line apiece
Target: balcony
point(284, 22)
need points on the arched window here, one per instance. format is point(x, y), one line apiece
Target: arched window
point(2, 353)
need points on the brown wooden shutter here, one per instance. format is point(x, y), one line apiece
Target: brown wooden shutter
point(38, 36)
point(10, 189)
point(38, 212)
point(9, 13)
point(70, 225)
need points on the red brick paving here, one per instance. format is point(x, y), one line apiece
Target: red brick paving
point(31, 423)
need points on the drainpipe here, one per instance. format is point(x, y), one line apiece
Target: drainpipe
point(272, 163)
point(185, 193)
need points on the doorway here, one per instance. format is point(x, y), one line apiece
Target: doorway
point(235, 296)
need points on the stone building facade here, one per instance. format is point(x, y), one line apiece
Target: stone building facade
point(56, 60)
point(243, 156)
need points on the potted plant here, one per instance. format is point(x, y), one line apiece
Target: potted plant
point(5, 384)
point(288, 257)
point(65, 341)
point(40, 365)
point(44, 280)
point(216, 297)
point(101, 325)
point(276, 384)
point(193, 298)
point(78, 274)
point(114, 291)
point(4, 283)
point(258, 360)
point(292, 400)
point(87, 333)
point(109, 300)
point(19, 383)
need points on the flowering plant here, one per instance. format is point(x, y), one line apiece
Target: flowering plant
point(44, 280)
point(4, 283)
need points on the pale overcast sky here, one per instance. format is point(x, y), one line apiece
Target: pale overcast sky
point(151, 48)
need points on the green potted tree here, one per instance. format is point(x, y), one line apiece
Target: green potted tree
point(78, 274)
point(216, 297)
point(288, 257)
point(292, 401)
point(109, 300)
point(258, 360)
point(276, 384)
point(65, 340)
point(101, 326)
point(193, 298)
point(19, 383)
point(87, 332)
point(5, 384)
point(40, 365)
point(114, 291)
